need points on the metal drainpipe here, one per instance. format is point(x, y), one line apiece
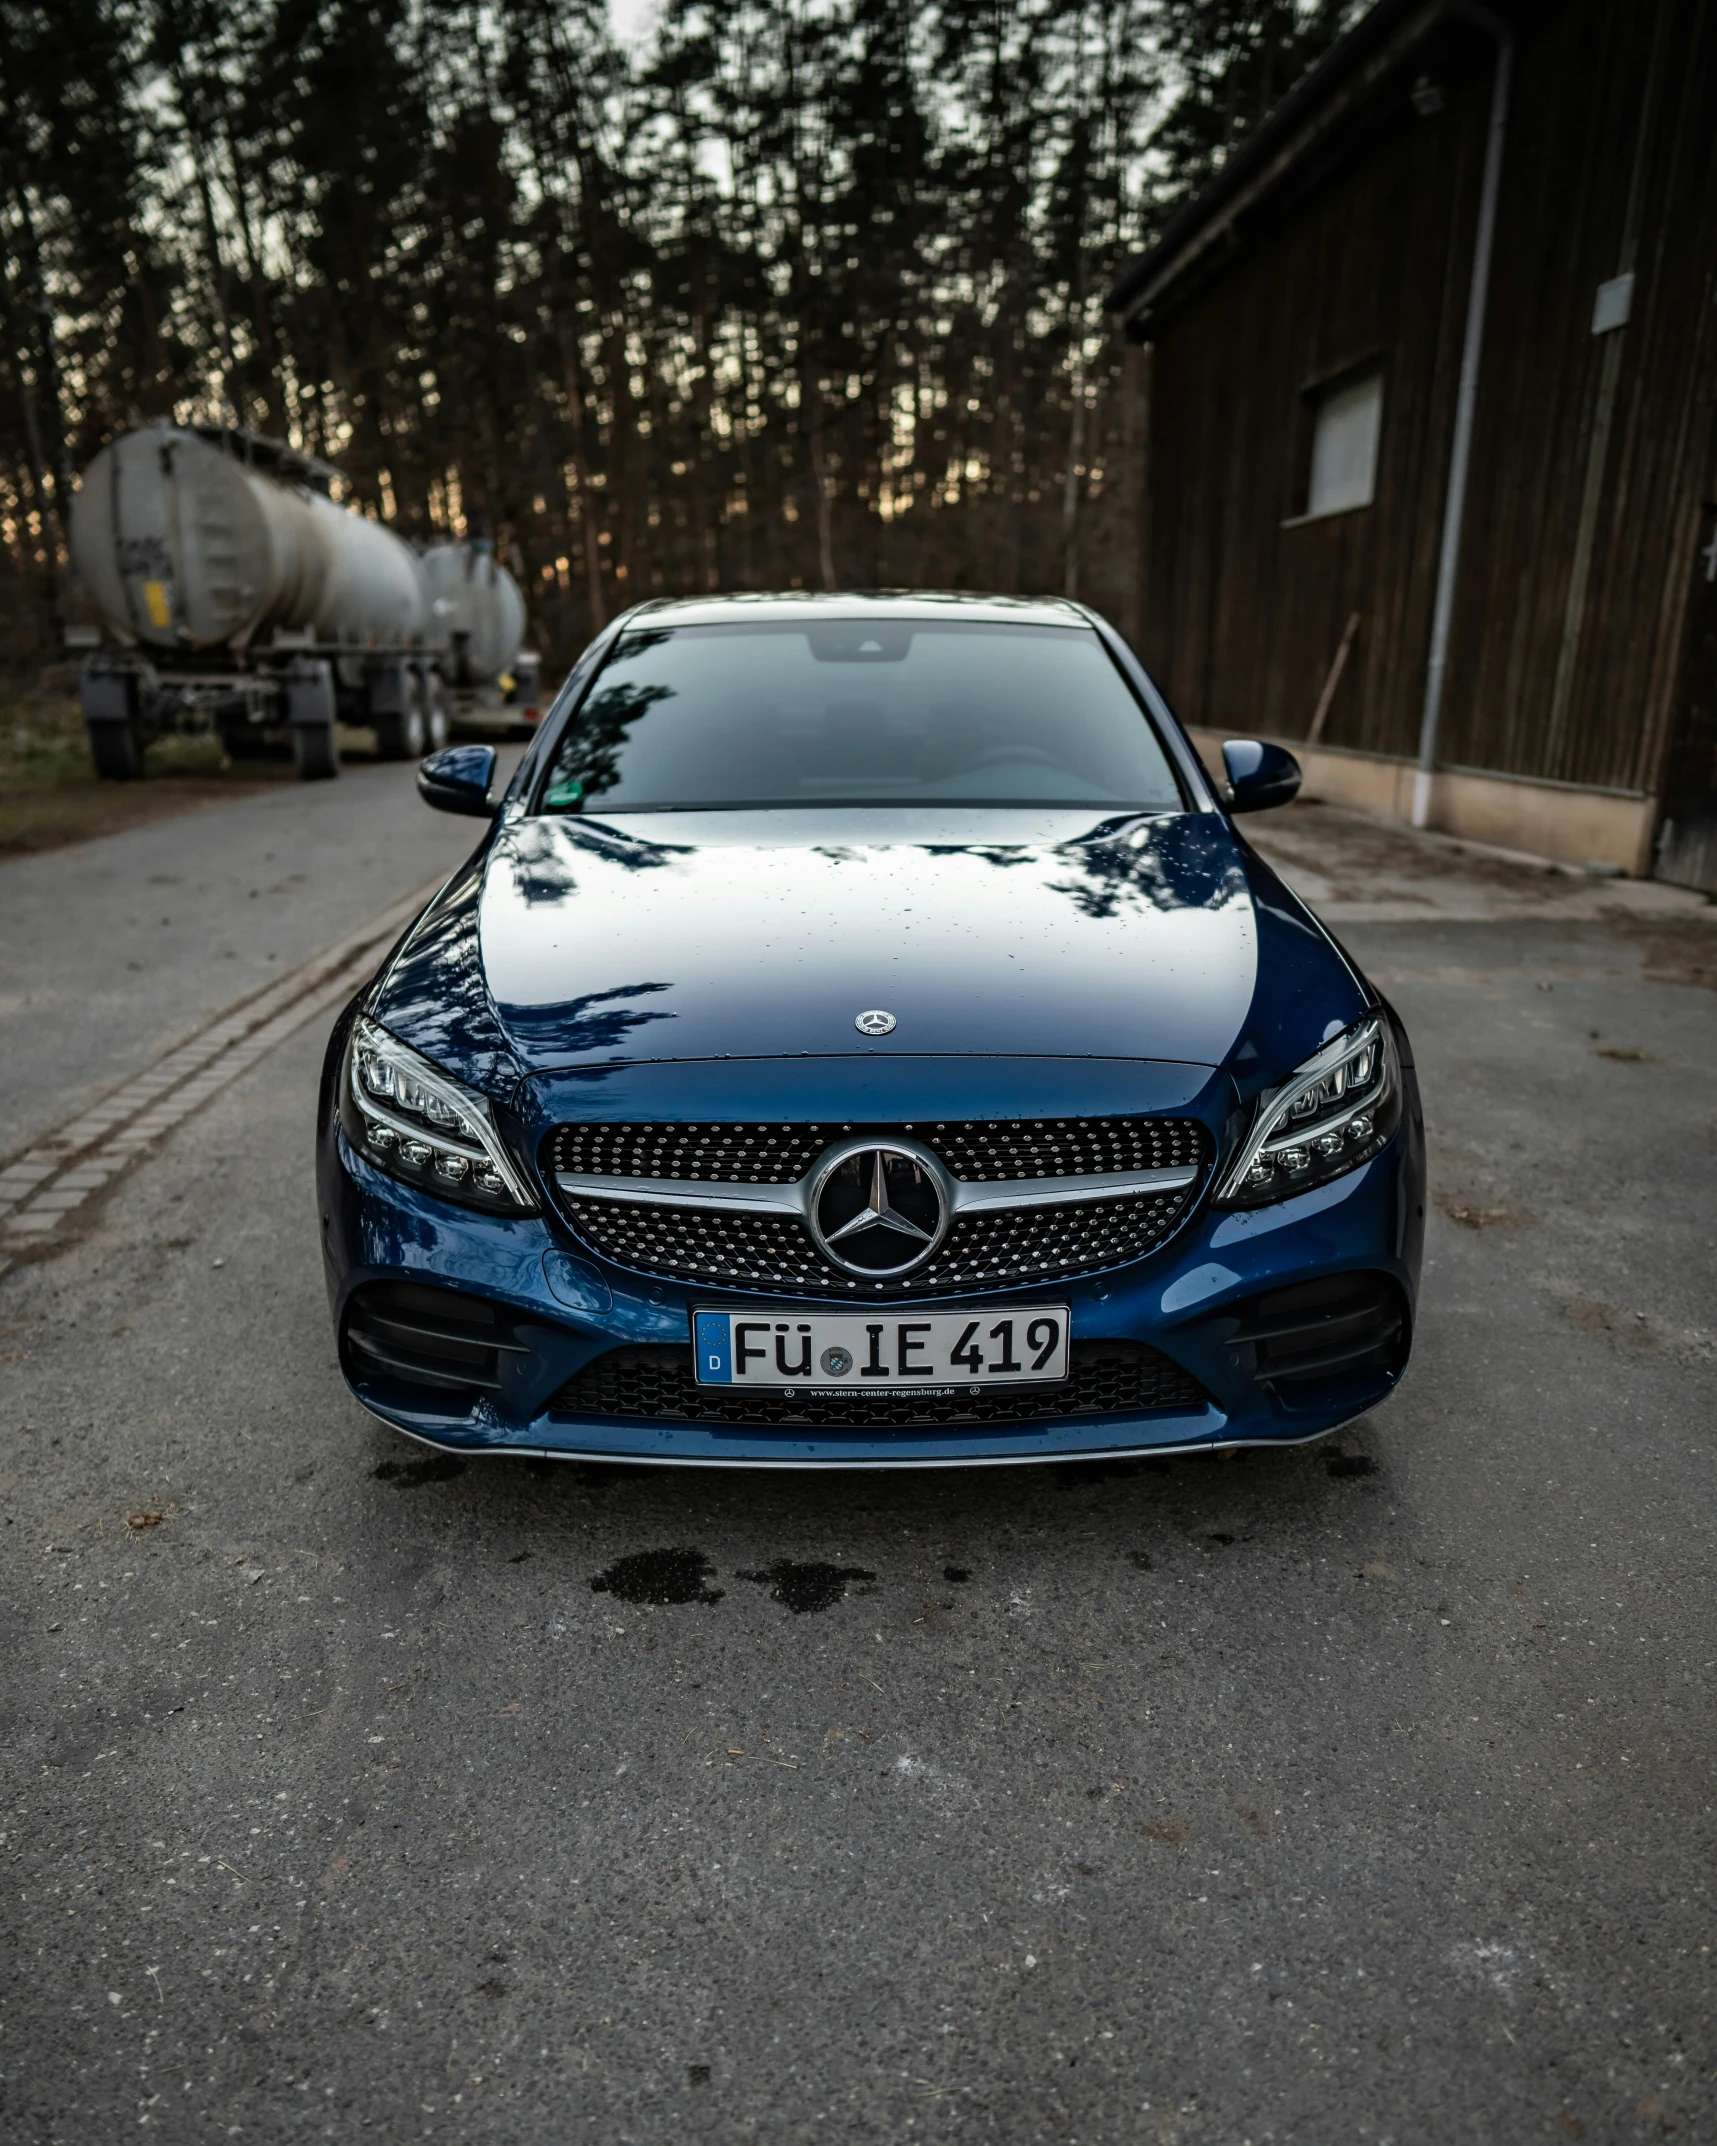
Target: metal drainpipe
point(1466, 401)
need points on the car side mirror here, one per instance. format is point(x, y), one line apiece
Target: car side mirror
point(458, 779)
point(1259, 775)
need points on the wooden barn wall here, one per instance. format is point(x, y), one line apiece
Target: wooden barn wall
point(1571, 155)
point(1241, 616)
point(1244, 615)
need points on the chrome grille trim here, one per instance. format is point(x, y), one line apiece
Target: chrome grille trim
point(687, 1192)
point(994, 1197)
point(967, 1199)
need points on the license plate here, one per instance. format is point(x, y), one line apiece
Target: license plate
point(899, 1353)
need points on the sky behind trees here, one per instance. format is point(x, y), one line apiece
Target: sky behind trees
point(715, 293)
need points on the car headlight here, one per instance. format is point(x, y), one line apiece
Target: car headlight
point(1333, 1113)
point(418, 1123)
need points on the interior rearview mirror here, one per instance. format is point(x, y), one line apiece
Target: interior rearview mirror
point(457, 779)
point(1259, 775)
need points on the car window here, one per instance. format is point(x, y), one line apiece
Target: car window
point(858, 712)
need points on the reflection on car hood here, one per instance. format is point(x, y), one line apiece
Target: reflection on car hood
point(716, 935)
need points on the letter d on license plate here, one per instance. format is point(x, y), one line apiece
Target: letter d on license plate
point(899, 1351)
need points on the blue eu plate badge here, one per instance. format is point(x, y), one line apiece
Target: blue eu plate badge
point(715, 1349)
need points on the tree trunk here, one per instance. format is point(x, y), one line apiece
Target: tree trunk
point(590, 537)
point(1070, 483)
point(820, 481)
point(37, 300)
point(274, 388)
point(32, 448)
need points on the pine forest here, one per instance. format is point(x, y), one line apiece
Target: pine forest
point(774, 293)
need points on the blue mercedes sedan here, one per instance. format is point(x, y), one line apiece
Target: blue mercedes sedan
point(862, 1036)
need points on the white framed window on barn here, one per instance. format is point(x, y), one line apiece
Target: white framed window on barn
point(1347, 421)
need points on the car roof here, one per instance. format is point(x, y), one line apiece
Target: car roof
point(790, 605)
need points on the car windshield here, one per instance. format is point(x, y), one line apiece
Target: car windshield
point(858, 712)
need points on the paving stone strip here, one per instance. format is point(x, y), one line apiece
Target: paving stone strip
point(55, 1176)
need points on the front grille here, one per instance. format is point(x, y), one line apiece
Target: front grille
point(726, 1154)
point(1019, 1245)
point(975, 1150)
point(748, 1251)
point(656, 1384)
point(1326, 1330)
point(413, 1335)
point(1066, 1147)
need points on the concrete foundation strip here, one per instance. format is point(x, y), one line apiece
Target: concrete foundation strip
point(54, 1177)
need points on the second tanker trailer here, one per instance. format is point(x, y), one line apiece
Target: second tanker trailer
point(238, 596)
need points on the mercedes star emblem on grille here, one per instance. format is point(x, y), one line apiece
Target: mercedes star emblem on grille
point(875, 1023)
point(879, 1209)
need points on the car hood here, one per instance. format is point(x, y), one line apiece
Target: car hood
point(577, 943)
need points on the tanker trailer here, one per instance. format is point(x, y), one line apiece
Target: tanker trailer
point(239, 597)
point(477, 604)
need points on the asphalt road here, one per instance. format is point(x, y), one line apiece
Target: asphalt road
point(113, 949)
point(1357, 1793)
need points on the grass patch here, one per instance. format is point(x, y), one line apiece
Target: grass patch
point(50, 796)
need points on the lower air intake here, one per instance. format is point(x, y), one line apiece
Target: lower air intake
point(413, 1335)
point(1344, 1326)
point(656, 1384)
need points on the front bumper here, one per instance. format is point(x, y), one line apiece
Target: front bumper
point(1210, 1300)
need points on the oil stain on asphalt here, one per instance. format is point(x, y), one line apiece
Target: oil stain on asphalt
point(659, 1578)
point(803, 1588)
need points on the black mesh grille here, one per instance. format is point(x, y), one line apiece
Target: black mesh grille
point(1066, 1147)
point(975, 1150)
point(1108, 1378)
point(725, 1154)
point(1023, 1244)
point(1020, 1245)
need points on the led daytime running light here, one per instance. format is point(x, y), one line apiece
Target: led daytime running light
point(420, 1124)
point(1333, 1114)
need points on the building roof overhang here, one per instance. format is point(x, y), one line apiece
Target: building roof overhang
point(1309, 129)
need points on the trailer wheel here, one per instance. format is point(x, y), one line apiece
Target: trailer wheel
point(399, 736)
point(117, 750)
point(313, 749)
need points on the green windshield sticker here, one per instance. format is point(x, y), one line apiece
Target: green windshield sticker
point(564, 796)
